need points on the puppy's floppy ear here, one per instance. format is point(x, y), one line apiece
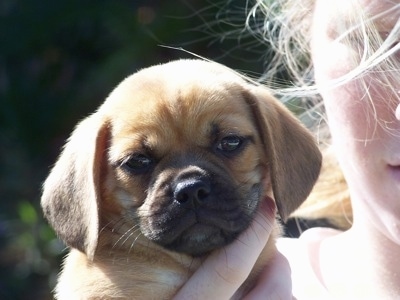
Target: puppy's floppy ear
point(70, 198)
point(291, 152)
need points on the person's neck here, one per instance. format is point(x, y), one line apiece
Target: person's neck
point(362, 262)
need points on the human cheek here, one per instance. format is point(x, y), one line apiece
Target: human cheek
point(350, 113)
point(351, 104)
point(345, 105)
point(351, 123)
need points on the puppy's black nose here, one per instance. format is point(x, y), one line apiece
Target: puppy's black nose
point(192, 192)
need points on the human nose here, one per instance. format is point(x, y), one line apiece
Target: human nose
point(398, 112)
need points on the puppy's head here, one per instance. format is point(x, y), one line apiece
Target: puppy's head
point(183, 153)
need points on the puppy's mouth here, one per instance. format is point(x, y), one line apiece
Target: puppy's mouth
point(199, 231)
point(200, 216)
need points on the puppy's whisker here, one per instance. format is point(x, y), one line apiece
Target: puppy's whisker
point(131, 234)
point(126, 235)
point(112, 225)
point(134, 241)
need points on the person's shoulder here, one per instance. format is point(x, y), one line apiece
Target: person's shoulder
point(292, 248)
point(303, 256)
point(318, 233)
point(302, 249)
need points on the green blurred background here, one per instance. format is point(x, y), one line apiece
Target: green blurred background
point(58, 61)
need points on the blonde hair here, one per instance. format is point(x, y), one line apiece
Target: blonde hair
point(286, 28)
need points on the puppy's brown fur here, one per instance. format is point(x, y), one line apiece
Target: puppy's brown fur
point(171, 167)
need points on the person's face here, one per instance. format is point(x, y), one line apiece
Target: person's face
point(363, 114)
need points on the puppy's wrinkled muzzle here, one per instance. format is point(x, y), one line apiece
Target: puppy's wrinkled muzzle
point(199, 212)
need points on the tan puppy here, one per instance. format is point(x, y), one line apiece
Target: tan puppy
point(171, 167)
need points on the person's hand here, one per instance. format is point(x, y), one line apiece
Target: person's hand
point(225, 270)
point(274, 281)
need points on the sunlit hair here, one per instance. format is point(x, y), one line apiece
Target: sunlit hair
point(285, 26)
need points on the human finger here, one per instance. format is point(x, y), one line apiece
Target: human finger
point(274, 282)
point(226, 269)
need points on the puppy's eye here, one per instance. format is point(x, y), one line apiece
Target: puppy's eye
point(138, 163)
point(229, 143)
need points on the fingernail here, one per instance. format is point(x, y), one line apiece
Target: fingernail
point(268, 204)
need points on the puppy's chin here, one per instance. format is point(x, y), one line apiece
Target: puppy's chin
point(197, 229)
point(200, 239)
